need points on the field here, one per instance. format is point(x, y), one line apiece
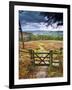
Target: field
point(26, 67)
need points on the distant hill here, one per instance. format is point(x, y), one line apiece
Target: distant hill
point(50, 33)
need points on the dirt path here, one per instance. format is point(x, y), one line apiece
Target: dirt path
point(41, 72)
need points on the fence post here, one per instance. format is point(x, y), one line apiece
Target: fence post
point(33, 57)
point(60, 66)
point(61, 62)
point(51, 58)
point(61, 49)
point(30, 51)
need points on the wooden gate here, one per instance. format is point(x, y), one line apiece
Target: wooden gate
point(44, 58)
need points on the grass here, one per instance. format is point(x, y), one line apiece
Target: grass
point(47, 44)
point(26, 67)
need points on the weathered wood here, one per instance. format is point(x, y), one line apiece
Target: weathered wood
point(42, 64)
point(51, 58)
point(42, 57)
point(33, 57)
point(22, 50)
point(41, 53)
point(44, 60)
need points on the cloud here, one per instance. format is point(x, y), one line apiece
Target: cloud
point(39, 26)
point(32, 21)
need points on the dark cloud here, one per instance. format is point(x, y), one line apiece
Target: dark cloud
point(31, 16)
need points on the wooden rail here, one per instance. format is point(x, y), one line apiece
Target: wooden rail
point(44, 58)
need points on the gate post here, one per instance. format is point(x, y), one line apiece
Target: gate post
point(32, 61)
point(51, 58)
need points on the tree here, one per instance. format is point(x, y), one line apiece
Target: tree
point(21, 33)
point(20, 29)
point(53, 18)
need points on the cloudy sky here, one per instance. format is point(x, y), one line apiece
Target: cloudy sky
point(31, 21)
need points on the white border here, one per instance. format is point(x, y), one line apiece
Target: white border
point(16, 59)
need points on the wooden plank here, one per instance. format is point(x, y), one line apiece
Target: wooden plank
point(41, 56)
point(41, 64)
point(56, 61)
point(41, 53)
point(55, 64)
point(22, 50)
point(39, 60)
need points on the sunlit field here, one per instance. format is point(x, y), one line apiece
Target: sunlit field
point(26, 67)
